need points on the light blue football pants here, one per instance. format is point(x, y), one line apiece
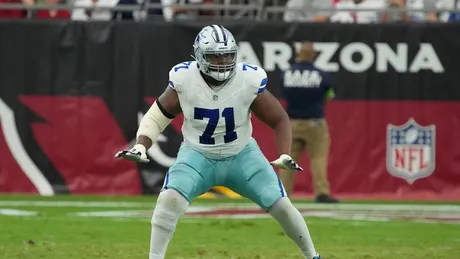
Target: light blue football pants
point(248, 173)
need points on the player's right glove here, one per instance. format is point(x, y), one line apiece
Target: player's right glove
point(286, 162)
point(136, 154)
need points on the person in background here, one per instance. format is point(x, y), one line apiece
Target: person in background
point(154, 13)
point(52, 13)
point(82, 14)
point(306, 90)
point(449, 16)
point(412, 16)
point(124, 15)
point(397, 17)
point(358, 16)
point(176, 13)
point(14, 13)
point(423, 16)
point(304, 11)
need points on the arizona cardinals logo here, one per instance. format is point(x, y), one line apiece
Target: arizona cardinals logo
point(19, 153)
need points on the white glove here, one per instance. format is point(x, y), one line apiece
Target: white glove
point(136, 154)
point(286, 162)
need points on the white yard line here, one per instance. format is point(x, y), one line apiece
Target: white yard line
point(13, 212)
point(224, 205)
point(87, 204)
point(352, 212)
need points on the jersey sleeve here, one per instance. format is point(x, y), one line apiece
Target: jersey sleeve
point(178, 75)
point(256, 77)
point(328, 87)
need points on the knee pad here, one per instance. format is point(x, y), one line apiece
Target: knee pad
point(170, 206)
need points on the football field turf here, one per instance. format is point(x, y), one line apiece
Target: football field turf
point(65, 227)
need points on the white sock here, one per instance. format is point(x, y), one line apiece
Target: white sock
point(294, 225)
point(169, 208)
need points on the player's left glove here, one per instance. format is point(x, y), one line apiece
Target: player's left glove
point(286, 162)
point(136, 154)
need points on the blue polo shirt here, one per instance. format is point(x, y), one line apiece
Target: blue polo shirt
point(305, 89)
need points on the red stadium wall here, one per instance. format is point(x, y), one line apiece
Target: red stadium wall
point(357, 164)
point(358, 156)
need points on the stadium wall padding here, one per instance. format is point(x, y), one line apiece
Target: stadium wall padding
point(72, 94)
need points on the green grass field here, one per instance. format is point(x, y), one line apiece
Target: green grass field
point(80, 227)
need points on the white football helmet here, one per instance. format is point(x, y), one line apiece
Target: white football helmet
point(215, 51)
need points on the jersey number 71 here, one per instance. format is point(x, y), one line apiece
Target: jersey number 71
point(214, 115)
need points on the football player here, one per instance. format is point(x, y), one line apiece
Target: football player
point(216, 96)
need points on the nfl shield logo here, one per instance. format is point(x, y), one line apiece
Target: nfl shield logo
point(411, 150)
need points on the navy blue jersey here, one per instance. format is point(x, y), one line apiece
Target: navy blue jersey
point(305, 89)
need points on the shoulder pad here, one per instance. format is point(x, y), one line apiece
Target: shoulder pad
point(255, 76)
point(178, 74)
